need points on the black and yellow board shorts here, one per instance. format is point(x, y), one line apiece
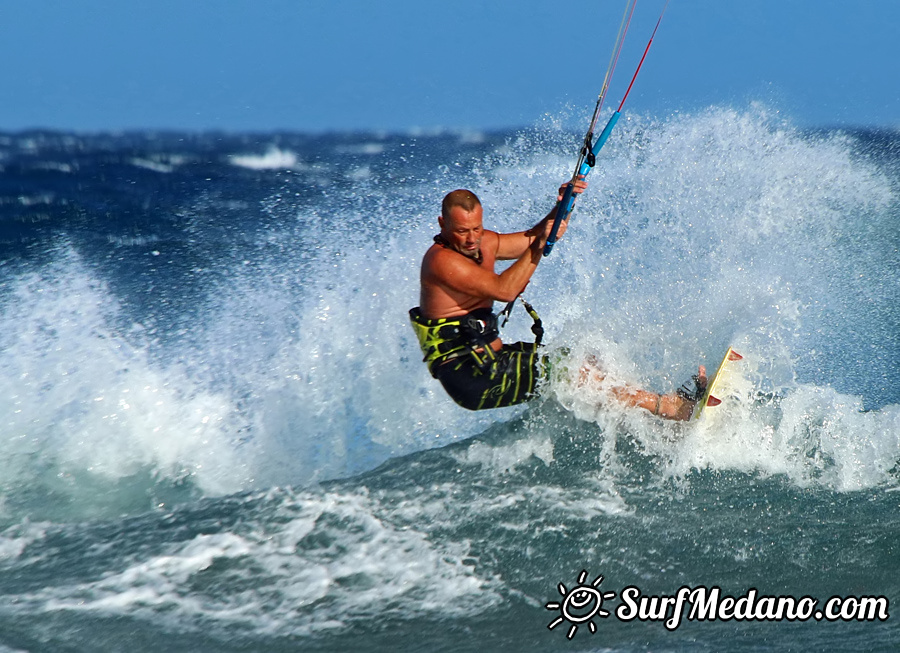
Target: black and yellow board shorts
point(510, 378)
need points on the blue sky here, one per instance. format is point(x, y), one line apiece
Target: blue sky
point(320, 65)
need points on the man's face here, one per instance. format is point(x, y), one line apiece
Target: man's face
point(464, 230)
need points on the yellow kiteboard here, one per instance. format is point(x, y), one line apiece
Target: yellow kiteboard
point(709, 398)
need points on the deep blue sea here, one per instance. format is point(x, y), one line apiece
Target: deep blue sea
point(217, 434)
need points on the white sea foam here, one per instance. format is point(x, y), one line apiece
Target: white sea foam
point(81, 397)
point(471, 136)
point(334, 370)
point(503, 458)
point(708, 230)
point(6, 649)
point(57, 166)
point(377, 570)
point(36, 200)
point(273, 159)
point(132, 241)
point(14, 540)
point(155, 166)
point(368, 149)
point(161, 163)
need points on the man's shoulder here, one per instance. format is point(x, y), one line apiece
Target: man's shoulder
point(438, 257)
point(435, 251)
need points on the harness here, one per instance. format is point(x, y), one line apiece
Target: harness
point(448, 338)
point(444, 339)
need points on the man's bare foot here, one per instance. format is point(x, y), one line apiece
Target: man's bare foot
point(679, 406)
point(676, 407)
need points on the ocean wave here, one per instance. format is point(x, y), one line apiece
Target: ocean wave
point(290, 361)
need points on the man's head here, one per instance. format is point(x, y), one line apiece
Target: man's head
point(461, 222)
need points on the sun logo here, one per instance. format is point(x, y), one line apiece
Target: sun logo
point(580, 605)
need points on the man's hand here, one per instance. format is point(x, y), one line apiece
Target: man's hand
point(515, 245)
point(580, 186)
point(545, 227)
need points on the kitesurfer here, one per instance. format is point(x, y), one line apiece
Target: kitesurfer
point(457, 328)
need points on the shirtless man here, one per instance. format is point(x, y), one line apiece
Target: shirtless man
point(457, 328)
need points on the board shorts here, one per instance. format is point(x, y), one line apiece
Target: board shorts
point(511, 377)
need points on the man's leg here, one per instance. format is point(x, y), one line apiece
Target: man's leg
point(671, 406)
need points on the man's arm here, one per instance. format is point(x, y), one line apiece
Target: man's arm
point(516, 244)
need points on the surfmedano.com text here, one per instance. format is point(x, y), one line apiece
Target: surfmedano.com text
point(702, 604)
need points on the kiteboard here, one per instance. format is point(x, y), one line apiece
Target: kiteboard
point(715, 384)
